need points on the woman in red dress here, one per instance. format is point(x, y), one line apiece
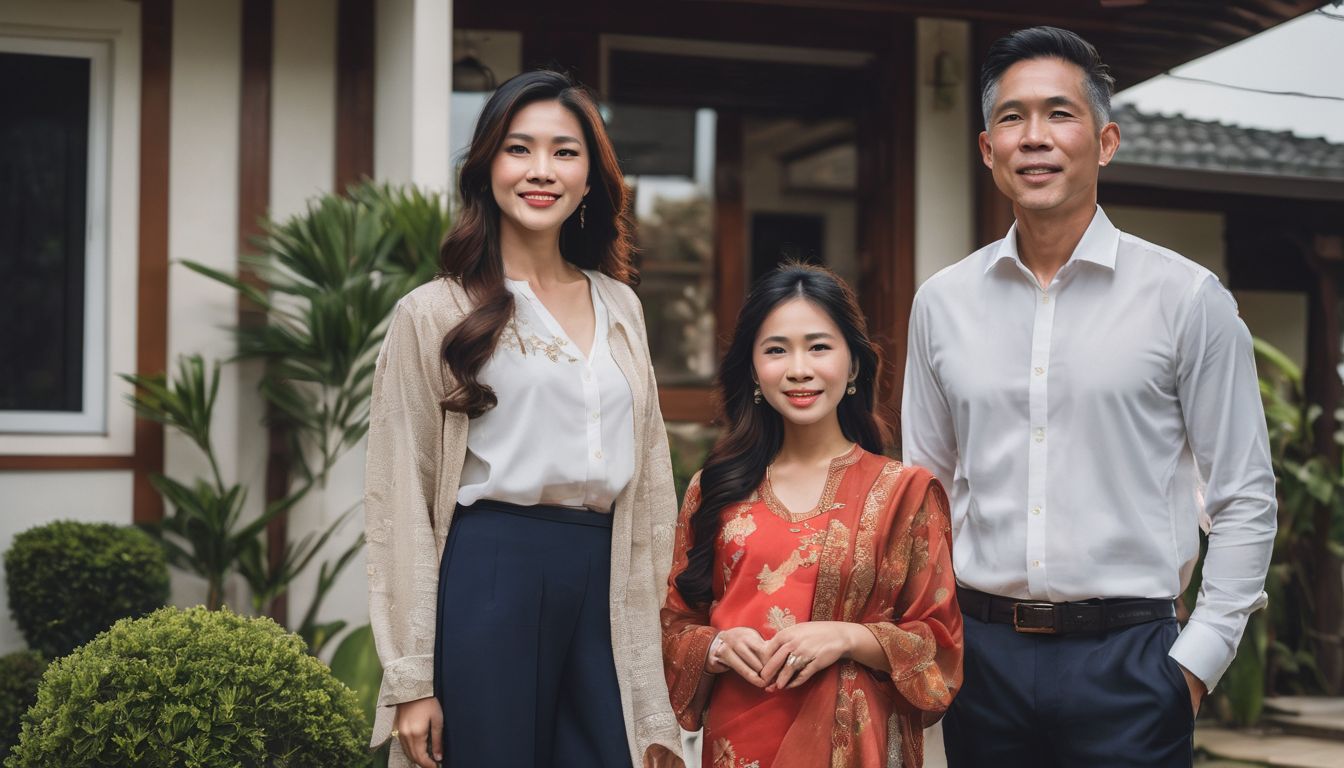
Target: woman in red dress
point(812, 617)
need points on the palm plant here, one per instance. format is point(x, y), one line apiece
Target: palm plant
point(331, 277)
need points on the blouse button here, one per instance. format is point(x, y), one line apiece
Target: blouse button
point(597, 454)
point(1035, 510)
point(1039, 370)
point(587, 375)
point(1040, 435)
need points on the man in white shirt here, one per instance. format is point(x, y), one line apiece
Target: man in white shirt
point(1078, 390)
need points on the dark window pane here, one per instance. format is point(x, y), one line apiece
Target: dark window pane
point(44, 138)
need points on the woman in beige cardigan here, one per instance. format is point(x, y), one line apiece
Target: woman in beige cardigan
point(514, 398)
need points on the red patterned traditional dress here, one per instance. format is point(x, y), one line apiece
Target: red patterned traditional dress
point(875, 550)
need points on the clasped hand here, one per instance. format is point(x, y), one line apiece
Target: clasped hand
point(787, 660)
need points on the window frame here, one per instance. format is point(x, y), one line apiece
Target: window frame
point(92, 419)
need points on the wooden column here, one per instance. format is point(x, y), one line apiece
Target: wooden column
point(156, 65)
point(1323, 388)
point(993, 211)
point(254, 200)
point(354, 92)
point(730, 226)
point(886, 146)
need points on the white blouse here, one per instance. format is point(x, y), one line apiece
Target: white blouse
point(563, 431)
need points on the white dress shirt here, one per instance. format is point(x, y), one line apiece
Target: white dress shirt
point(1075, 426)
point(563, 432)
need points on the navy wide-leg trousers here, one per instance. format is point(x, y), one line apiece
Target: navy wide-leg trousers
point(523, 662)
point(1092, 700)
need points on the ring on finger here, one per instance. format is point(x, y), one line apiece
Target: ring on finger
point(791, 661)
point(394, 733)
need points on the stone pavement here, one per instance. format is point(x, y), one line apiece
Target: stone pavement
point(1296, 732)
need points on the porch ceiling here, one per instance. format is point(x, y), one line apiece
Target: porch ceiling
point(1137, 38)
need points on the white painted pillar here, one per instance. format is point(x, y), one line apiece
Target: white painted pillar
point(413, 83)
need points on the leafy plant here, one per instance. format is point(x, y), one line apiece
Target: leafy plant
point(19, 675)
point(68, 581)
point(356, 664)
point(332, 276)
point(195, 687)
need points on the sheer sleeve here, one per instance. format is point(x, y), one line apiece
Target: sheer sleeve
point(686, 630)
point(921, 631)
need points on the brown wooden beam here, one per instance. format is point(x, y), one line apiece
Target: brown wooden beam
point(354, 92)
point(65, 463)
point(886, 145)
point(151, 357)
point(695, 404)
point(730, 226)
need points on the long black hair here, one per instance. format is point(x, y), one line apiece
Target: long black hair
point(470, 252)
point(753, 434)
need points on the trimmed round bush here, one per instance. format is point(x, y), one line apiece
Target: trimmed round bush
point(198, 688)
point(19, 675)
point(68, 581)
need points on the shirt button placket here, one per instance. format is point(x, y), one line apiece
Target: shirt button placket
point(1038, 446)
point(592, 402)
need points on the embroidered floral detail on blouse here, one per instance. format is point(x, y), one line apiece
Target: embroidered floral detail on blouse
point(779, 619)
point(725, 756)
point(805, 556)
point(518, 333)
point(738, 529)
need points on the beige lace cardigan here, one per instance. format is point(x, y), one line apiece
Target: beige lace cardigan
point(415, 456)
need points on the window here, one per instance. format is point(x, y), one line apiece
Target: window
point(53, 150)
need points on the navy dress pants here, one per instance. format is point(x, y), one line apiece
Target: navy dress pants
point(522, 659)
point(1092, 700)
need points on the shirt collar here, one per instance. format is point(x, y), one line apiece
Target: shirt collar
point(1099, 244)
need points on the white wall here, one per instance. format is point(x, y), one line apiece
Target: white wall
point(1279, 318)
point(944, 197)
point(303, 152)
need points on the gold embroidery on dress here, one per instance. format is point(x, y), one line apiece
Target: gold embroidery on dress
point(940, 594)
point(726, 757)
point(919, 556)
point(779, 619)
point(826, 503)
point(804, 556)
point(520, 332)
point(828, 571)
point(864, 572)
point(739, 528)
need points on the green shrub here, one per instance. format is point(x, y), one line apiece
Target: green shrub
point(19, 675)
point(197, 688)
point(69, 581)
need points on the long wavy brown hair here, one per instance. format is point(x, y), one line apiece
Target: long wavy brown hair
point(471, 255)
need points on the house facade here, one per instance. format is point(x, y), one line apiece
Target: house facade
point(841, 132)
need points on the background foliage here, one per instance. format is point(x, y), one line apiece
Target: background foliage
point(196, 687)
point(68, 581)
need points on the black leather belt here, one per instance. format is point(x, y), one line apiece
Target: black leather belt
point(1036, 617)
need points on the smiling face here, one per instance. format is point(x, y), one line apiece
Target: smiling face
point(540, 173)
point(1043, 144)
point(802, 362)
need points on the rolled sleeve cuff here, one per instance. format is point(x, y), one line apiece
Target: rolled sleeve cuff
point(1202, 651)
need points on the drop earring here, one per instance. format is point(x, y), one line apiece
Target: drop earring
point(852, 389)
point(582, 208)
point(756, 396)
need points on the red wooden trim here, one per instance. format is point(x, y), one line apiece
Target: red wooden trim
point(72, 463)
point(156, 59)
point(354, 92)
point(730, 226)
point(697, 404)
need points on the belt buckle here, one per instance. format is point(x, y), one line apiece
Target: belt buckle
point(1034, 607)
